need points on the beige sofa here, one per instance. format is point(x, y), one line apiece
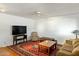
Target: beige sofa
point(69, 48)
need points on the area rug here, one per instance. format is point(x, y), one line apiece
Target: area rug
point(31, 49)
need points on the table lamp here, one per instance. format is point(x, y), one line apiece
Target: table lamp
point(76, 32)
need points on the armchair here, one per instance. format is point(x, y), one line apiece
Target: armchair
point(34, 36)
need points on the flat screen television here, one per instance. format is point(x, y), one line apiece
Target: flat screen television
point(17, 30)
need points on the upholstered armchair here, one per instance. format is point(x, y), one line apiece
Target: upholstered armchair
point(34, 36)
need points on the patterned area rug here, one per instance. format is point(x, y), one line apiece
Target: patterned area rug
point(31, 49)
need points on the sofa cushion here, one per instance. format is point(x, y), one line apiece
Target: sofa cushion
point(35, 38)
point(75, 43)
point(63, 53)
point(76, 51)
point(67, 47)
point(69, 42)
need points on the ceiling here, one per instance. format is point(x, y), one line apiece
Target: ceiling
point(46, 9)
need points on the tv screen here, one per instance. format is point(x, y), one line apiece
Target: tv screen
point(17, 30)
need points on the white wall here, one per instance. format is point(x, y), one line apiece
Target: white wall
point(7, 21)
point(60, 27)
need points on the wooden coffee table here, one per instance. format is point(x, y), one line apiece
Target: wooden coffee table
point(47, 44)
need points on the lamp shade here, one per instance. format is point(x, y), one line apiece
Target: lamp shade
point(76, 32)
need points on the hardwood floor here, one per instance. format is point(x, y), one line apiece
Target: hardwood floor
point(5, 51)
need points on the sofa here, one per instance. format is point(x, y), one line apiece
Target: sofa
point(69, 48)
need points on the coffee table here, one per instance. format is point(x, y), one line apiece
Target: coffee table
point(47, 44)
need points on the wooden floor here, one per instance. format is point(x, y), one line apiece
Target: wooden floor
point(5, 51)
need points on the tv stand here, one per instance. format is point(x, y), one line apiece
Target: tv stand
point(20, 38)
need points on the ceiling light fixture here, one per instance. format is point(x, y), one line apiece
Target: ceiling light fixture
point(38, 12)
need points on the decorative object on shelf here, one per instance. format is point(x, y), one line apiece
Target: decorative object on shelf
point(76, 32)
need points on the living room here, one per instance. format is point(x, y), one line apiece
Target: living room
point(46, 20)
